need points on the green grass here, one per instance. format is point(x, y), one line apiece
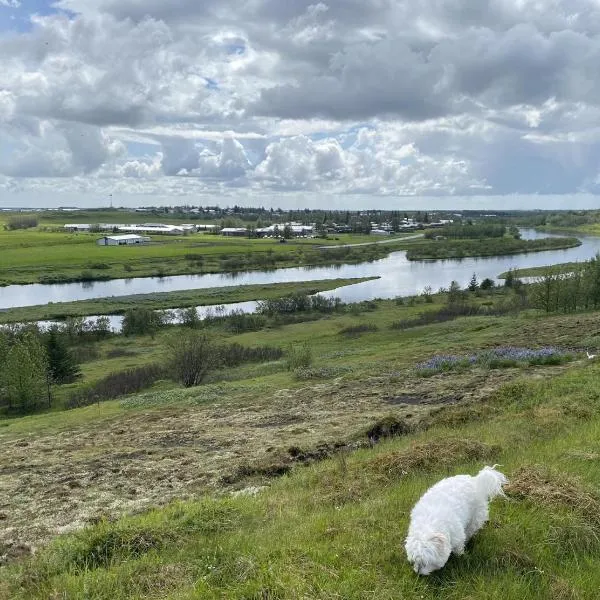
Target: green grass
point(334, 528)
point(166, 300)
point(35, 255)
point(558, 269)
point(445, 249)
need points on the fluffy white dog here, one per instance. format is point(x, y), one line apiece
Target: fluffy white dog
point(448, 515)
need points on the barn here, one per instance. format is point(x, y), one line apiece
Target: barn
point(122, 240)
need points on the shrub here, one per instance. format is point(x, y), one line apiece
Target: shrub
point(235, 354)
point(189, 317)
point(240, 322)
point(299, 356)
point(358, 329)
point(120, 352)
point(142, 321)
point(191, 356)
point(116, 385)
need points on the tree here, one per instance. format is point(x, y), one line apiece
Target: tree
point(455, 294)
point(26, 374)
point(473, 285)
point(189, 317)
point(487, 284)
point(287, 232)
point(142, 321)
point(62, 366)
point(191, 356)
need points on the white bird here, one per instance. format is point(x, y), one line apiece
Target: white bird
point(590, 356)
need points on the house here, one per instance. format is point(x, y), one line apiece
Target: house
point(122, 240)
point(234, 231)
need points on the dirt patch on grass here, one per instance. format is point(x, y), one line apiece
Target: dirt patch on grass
point(178, 444)
point(542, 486)
point(430, 456)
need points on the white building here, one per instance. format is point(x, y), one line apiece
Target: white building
point(77, 227)
point(234, 231)
point(296, 229)
point(122, 240)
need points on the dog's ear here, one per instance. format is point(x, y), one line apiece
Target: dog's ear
point(441, 542)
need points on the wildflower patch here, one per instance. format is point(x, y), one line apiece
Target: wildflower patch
point(495, 358)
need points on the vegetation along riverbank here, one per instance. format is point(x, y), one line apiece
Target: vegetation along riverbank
point(463, 248)
point(289, 466)
point(33, 256)
point(116, 305)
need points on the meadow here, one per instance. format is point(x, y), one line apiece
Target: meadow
point(463, 248)
point(275, 480)
point(39, 256)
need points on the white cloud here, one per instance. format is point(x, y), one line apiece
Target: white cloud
point(331, 97)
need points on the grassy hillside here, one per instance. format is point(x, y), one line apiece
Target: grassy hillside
point(331, 520)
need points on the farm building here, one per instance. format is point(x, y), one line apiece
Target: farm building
point(122, 240)
point(234, 231)
point(77, 227)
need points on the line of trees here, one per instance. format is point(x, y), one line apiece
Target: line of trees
point(33, 361)
point(468, 231)
point(569, 292)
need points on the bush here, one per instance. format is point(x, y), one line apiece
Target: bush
point(142, 321)
point(299, 356)
point(299, 303)
point(116, 385)
point(240, 322)
point(358, 329)
point(235, 354)
point(191, 356)
point(189, 317)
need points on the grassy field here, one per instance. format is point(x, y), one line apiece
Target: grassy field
point(557, 269)
point(329, 528)
point(165, 300)
point(34, 256)
point(452, 249)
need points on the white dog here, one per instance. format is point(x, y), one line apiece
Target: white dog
point(448, 515)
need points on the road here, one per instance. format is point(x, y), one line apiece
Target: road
point(390, 241)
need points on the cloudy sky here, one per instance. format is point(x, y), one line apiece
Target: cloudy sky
point(337, 103)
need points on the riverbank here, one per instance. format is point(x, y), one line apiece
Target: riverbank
point(34, 256)
point(116, 305)
point(457, 249)
point(558, 269)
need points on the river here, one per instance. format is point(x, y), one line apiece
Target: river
point(397, 276)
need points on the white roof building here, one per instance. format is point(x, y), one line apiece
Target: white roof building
point(122, 240)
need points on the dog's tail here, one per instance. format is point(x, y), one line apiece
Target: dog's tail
point(489, 482)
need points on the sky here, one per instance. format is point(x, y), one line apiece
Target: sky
point(300, 103)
